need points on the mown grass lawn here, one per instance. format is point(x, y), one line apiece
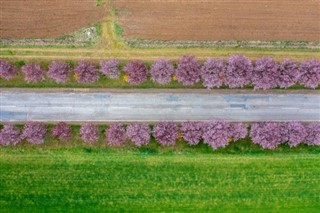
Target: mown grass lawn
point(82, 179)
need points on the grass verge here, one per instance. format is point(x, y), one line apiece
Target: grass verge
point(146, 43)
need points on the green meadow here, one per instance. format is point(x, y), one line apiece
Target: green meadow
point(88, 179)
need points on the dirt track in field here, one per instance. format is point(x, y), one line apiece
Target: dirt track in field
point(220, 19)
point(46, 18)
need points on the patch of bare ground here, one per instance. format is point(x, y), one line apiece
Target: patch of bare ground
point(251, 20)
point(47, 18)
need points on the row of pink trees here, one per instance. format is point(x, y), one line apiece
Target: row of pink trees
point(237, 72)
point(217, 134)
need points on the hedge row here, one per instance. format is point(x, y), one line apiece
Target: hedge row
point(216, 133)
point(238, 71)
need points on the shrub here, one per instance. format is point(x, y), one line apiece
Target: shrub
point(216, 133)
point(166, 133)
point(7, 70)
point(10, 135)
point(191, 132)
point(188, 71)
point(265, 74)
point(61, 131)
point(239, 71)
point(213, 73)
point(313, 134)
point(33, 73)
point(138, 133)
point(86, 72)
point(34, 132)
point(110, 68)
point(89, 132)
point(293, 132)
point(59, 71)
point(266, 134)
point(161, 71)
point(136, 72)
point(288, 73)
point(116, 134)
point(238, 131)
point(310, 73)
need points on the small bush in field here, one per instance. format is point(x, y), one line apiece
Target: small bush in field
point(33, 73)
point(191, 132)
point(189, 70)
point(85, 72)
point(265, 74)
point(10, 135)
point(213, 73)
point(138, 133)
point(89, 132)
point(59, 71)
point(266, 134)
point(310, 73)
point(216, 134)
point(166, 133)
point(116, 134)
point(62, 131)
point(7, 70)
point(136, 72)
point(239, 131)
point(110, 68)
point(239, 71)
point(162, 71)
point(289, 73)
point(313, 134)
point(34, 132)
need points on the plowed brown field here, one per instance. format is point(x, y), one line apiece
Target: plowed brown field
point(220, 19)
point(46, 18)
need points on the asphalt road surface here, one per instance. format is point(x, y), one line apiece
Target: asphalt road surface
point(108, 106)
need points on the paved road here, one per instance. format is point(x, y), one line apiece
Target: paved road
point(77, 107)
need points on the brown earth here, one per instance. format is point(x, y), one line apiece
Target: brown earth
point(220, 19)
point(46, 18)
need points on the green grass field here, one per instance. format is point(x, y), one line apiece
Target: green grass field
point(112, 180)
point(73, 176)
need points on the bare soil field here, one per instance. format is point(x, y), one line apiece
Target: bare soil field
point(47, 18)
point(220, 19)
